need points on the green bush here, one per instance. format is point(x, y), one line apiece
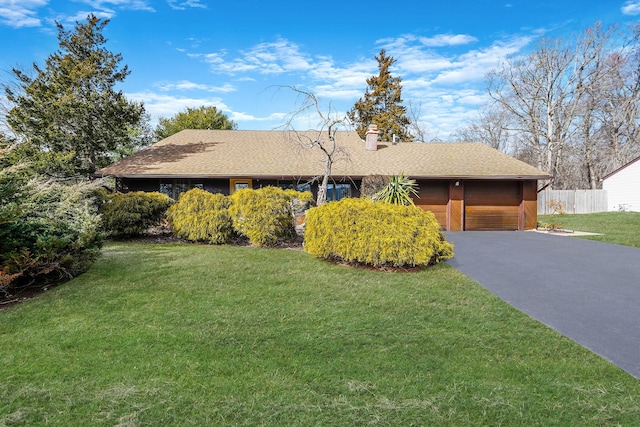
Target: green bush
point(131, 214)
point(201, 216)
point(377, 234)
point(266, 215)
point(48, 231)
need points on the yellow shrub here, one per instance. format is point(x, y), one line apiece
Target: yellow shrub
point(266, 215)
point(201, 216)
point(377, 234)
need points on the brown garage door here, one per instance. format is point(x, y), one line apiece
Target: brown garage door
point(491, 205)
point(434, 196)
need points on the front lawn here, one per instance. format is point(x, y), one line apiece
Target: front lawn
point(172, 334)
point(622, 228)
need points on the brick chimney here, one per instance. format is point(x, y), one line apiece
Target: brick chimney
point(371, 140)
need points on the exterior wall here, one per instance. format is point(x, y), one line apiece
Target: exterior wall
point(529, 206)
point(221, 185)
point(455, 207)
point(458, 205)
point(153, 184)
point(147, 184)
point(623, 188)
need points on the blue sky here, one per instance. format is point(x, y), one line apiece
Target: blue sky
point(235, 54)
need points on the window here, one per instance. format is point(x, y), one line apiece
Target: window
point(174, 187)
point(166, 187)
point(237, 184)
point(290, 185)
point(338, 191)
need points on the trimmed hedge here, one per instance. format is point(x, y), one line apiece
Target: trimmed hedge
point(361, 231)
point(266, 215)
point(201, 216)
point(131, 214)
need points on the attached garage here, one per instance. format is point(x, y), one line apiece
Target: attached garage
point(474, 205)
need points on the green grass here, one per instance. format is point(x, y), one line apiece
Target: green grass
point(622, 228)
point(203, 335)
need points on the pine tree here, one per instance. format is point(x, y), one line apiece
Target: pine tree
point(382, 104)
point(68, 118)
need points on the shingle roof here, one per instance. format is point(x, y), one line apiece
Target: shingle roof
point(274, 154)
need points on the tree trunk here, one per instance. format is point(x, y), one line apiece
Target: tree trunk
point(322, 191)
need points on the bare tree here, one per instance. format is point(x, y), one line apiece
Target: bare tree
point(491, 127)
point(554, 101)
point(621, 102)
point(415, 128)
point(322, 138)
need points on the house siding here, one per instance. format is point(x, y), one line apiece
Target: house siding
point(623, 188)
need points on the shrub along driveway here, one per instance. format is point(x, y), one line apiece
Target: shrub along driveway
point(588, 291)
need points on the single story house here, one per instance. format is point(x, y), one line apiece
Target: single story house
point(468, 186)
point(623, 187)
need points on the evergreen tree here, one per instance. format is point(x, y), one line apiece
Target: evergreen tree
point(194, 118)
point(382, 104)
point(68, 118)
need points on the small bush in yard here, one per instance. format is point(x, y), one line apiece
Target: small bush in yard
point(201, 216)
point(131, 214)
point(378, 234)
point(266, 215)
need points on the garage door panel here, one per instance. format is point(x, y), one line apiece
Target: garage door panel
point(439, 211)
point(492, 205)
point(492, 193)
point(433, 193)
point(491, 218)
point(434, 196)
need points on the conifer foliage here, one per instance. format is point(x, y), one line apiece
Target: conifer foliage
point(382, 104)
point(68, 116)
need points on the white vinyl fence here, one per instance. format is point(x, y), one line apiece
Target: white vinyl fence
point(573, 201)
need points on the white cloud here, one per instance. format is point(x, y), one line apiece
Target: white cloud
point(631, 7)
point(163, 105)
point(82, 15)
point(440, 40)
point(274, 117)
point(186, 85)
point(446, 83)
point(121, 4)
point(182, 5)
point(106, 9)
point(18, 14)
point(341, 82)
point(475, 64)
point(276, 57)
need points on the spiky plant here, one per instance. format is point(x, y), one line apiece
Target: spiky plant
point(398, 191)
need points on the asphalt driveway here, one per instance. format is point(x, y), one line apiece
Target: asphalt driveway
point(588, 291)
